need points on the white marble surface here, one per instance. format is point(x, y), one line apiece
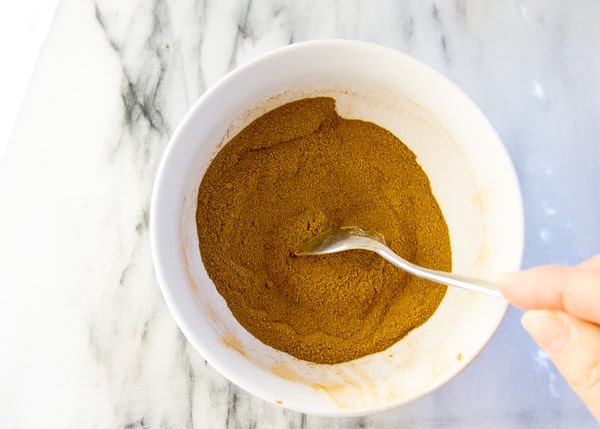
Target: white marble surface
point(87, 340)
point(23, 29)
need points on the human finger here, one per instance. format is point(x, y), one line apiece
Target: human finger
point(574, 347)
point(573, 290)
point(593, 262)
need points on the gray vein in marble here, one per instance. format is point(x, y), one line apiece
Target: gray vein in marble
point(460, 7)
point(139, 424)
point(440, 25)
point(409, 29)
point(142, 93)
point(242, 32)
point(190, 392)
point(232, 407)
point(119, 347)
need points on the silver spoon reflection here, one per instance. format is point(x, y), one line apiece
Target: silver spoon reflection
point(352, 237)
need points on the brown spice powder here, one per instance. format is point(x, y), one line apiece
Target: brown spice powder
point(298, 171)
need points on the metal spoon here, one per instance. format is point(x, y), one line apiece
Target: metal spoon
point(352, 237)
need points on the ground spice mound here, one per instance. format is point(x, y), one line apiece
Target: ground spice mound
point(298, 171)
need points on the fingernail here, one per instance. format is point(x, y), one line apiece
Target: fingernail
point(507, 281)
point(547, 329)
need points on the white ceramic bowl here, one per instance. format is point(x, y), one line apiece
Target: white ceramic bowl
point(471, 176)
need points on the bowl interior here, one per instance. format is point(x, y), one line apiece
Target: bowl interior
point(471, 177)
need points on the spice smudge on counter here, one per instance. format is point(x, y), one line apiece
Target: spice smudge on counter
point(291, 174)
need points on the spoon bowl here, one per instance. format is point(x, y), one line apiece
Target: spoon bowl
point(353, 238)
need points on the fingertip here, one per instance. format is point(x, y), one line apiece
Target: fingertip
point(508, 283)
point(537, 287)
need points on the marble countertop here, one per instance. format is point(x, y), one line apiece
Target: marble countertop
point(23, 29)
point(87, 338)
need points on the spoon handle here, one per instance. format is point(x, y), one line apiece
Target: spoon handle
point(442, 277)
